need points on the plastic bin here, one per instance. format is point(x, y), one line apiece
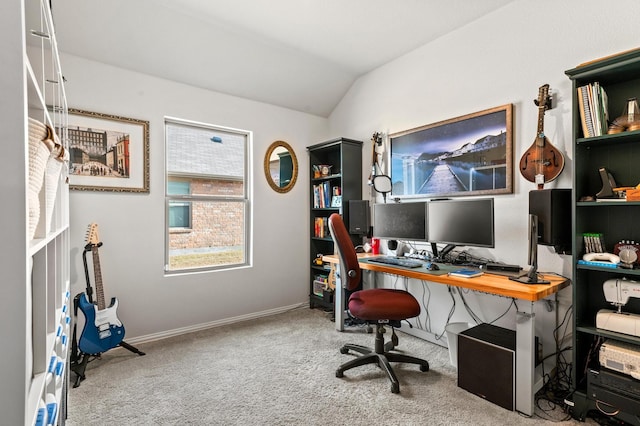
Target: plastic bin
point(453, 329)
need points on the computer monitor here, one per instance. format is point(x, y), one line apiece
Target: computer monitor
point(460, 223)
point(400, 221)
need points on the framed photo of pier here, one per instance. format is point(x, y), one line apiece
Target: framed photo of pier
point(107, 152)
point(467, 155)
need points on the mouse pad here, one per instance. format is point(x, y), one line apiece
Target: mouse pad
point(445, 269)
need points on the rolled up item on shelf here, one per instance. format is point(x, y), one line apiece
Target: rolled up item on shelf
point(55, 163)
point(39, 152)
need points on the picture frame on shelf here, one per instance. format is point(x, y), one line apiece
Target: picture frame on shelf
point(108, 152)
point(467, 155)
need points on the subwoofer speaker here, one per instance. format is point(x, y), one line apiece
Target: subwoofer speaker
point(553, 208)
point(486, 363)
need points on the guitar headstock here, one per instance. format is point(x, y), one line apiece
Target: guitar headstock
point(544, 98)
point(377, 138)
point(92, 235)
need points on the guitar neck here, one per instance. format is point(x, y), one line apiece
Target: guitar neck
point(98, 278)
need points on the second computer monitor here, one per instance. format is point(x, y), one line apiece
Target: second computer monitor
point(400, 221)
point(461, 222)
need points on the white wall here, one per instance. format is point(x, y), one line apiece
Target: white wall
point(131, 226)
point(501, 58)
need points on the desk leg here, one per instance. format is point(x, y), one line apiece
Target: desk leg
point(525, 359)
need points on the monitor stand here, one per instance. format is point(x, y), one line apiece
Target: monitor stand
point(440, 256)
point(531, 277)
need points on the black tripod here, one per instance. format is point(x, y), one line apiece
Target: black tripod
point(79, 359)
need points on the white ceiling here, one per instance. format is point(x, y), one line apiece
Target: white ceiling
point(299, 54)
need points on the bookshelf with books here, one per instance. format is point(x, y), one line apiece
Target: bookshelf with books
point(335, 178)
point(609, 142)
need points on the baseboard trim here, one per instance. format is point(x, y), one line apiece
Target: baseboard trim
point(204, 326)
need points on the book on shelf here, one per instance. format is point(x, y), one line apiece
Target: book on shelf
point(466, 273)
point(594, 111)
point(321, 227)
point(322, 195)
point(584, 111)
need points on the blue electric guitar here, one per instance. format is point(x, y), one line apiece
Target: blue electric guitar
point(102, 328)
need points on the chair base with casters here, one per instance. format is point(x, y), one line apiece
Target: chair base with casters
point(381, 355)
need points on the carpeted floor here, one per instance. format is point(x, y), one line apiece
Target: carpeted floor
point(278, 370)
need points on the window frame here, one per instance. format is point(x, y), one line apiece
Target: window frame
point(245, 198)
point(189, 209)
point(189, 205)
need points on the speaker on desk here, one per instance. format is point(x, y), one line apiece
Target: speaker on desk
point(486, 363)
point(553, 208)
point(359, 217)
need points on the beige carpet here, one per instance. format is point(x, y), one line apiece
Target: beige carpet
point(278, 370)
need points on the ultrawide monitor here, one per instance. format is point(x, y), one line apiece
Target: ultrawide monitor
point(400, 221)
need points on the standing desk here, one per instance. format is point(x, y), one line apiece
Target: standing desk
point(500, 285)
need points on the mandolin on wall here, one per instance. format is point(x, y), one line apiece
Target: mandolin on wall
point(542, 162)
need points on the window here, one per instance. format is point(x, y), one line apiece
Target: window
point(207, 202)
point(179, 211)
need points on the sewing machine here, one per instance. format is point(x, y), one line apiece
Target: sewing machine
point(617, 292)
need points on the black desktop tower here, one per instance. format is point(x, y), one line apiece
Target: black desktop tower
point(553, 208)
point(486, 363)
point(359, 217)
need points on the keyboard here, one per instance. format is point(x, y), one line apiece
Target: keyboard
point(396, 261)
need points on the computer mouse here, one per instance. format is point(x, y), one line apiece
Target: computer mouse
point(433, 267)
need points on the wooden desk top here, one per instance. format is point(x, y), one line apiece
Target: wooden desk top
point(488, 283)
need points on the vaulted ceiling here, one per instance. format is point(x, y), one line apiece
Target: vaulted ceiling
point(298, 54)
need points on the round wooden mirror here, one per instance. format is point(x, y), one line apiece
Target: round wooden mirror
point(281, 166)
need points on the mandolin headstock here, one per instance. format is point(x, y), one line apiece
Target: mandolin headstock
point(544, 98)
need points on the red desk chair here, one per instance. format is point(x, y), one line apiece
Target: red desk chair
point(376, 306)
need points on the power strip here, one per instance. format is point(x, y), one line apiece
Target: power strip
point(417, 255)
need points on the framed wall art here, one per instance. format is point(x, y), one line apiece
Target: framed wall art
point(108, 152)
point(467, 155)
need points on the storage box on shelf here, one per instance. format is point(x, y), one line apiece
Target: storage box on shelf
point(619, 154)
point(335, 178)
point(35, 268)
